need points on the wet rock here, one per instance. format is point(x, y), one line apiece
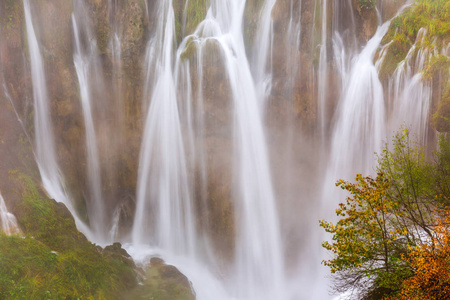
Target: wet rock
point(441, 118)
point(132, 32)
point(162, 282)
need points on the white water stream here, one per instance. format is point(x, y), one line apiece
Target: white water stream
point(8, 220)
point(86, 65)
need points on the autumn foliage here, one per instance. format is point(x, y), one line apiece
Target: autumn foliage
point(389, 241)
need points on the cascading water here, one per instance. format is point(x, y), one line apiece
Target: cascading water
point(360, 125)
point(51, 176)
point(411, 95)
point(258, 271)
point(259, 255)
point(8, 220)
point(86, 66)
point(162, 189)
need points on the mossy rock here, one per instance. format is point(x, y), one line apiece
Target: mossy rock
point(368, 18)
point(162, 282)
point(441, 118)
point(188, 17)
point(365, 6)
point(99, 10)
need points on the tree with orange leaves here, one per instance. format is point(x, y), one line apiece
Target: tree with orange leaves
point(431, 264)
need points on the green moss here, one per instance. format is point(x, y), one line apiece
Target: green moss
point(438, 63)
point(53, 260)
point(441, 118)
point(366, 5)
point(162, 282)
point(189, 50)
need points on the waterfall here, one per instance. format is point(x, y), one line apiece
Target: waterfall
point(162, 189)
point(51, 176)
point(238, 130)
point(8, 220)
point(87, 71)
point(259, 254)
point(360, 124)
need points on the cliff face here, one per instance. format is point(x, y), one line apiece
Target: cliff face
point(418, 42)
point(302, 58)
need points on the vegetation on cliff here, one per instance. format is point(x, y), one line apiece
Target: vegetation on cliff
point(53, 260)
point(388, 225)
point(431, 17)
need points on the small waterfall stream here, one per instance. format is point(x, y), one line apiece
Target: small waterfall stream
point(86, 66)
point(52, 178)
point(263, 47)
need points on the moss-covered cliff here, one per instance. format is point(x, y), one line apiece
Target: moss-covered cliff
point(51, 259)
point(425, 16)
